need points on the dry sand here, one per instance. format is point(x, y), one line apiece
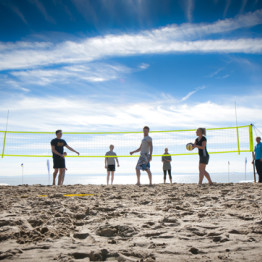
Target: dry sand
point(179, 222)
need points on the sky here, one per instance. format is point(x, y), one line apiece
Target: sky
point(117, 65)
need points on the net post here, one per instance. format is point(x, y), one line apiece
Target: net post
point(3, 151)
point(251, 143)
point(253, 157)
point(238, 146)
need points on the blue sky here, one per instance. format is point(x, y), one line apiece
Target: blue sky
point(118, 65)
point(98, 61)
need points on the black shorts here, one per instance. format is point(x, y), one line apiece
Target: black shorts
point(204, 159)
point(59, 162)
point(111, 168)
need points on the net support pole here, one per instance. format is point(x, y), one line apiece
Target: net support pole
point(7, 118)
point(254, 170)
point(238, 146)
point(3, 151)
point(251, 145)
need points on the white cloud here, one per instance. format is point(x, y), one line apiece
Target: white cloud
point(92, 72)
point(192, 93)
point(144, 66)
point(86, 114)
point(169, 39)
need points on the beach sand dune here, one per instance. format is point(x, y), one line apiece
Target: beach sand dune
point(179, 222)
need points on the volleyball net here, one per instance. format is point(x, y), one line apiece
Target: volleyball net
point(96, 144)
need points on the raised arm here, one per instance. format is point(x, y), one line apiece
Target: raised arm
point(71, 149)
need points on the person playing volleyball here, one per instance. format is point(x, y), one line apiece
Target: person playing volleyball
point(201, 143)
point(110, 164)
point(57, 146)
point(146, 150)
point(166, 159)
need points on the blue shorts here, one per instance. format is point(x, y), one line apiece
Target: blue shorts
point(143, 162)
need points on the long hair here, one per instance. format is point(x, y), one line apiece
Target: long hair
point(203, 130)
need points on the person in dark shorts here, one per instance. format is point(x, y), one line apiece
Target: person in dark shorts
point(110, 164)
point(258, 158)
point(166, 159)
point(201, 143)
point(57, 147)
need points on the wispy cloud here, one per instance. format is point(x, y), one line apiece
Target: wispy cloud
point(92, 114)
point(244, 3)
point(170, 39)
point(43, 11)
point(144, 66)
point(17, 11)
point(228, 3)
point(215, 73)
point(93, 72)
point(86, 9)
point(192, 93)
point(189, 9)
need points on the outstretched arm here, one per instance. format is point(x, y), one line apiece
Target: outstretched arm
point(138, 150)
point(71, 149)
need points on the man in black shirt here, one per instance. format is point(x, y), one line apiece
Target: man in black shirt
point(57, 146)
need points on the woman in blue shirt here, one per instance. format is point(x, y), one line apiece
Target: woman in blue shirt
point(201, 143)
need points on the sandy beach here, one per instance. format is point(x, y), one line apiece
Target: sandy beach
point(179, 222)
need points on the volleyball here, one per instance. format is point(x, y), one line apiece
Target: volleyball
point(189, 146)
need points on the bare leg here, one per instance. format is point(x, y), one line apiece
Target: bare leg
point(107, 178)
point(208, 177)
point(201, 173)
point(138, 176)
point(112, 177)
point(149, 176)
point(54, 175)
point(61, 176)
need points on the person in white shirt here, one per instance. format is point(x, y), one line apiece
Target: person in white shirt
point(146, 150)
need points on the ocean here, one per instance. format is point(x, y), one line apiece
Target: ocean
point(124, 179)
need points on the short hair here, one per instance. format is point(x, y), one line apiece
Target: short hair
point(58, 131)
point(111, 146)
point(258, 137)
point(146, 127)
point(203, 130)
